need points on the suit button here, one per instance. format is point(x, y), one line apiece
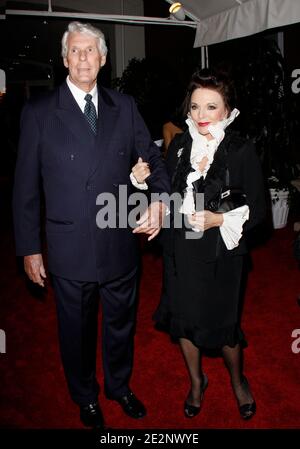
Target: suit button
point(89, 187)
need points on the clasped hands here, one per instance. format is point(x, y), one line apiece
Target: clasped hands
point(204, 220)
point(151, 220)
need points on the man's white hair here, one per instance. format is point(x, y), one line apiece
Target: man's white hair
point(84, 28)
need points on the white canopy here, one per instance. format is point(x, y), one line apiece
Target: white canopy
point(215, 20)
point(221, 20)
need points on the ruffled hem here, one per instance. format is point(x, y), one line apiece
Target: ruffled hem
point(202, 338)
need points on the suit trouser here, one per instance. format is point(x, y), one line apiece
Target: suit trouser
point(77, 310)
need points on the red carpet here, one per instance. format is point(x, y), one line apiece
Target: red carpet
point(33, 393)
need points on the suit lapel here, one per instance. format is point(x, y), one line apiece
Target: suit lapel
point(108, 113)
point(71, 115)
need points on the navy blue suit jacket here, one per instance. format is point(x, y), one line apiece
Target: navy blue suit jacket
point(59, 152)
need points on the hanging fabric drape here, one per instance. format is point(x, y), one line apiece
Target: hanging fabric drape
point(247, 18)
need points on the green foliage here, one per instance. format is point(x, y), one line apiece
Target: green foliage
point(269, 114)
point(155, 88)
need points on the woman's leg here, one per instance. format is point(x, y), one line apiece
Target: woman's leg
point(233, 358)
point(192, 357)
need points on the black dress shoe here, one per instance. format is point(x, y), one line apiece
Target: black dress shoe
point(91, 416)
point(132, 406)
point(247, 410)
point(191, 410)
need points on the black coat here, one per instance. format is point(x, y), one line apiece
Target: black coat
point(58, 148)
point(236, 154)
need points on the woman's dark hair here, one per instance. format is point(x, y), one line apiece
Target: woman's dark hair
point(214, 80)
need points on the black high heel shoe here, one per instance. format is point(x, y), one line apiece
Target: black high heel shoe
point(247, 411)
point(191, 410)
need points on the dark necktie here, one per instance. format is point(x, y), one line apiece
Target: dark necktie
point(90, 113)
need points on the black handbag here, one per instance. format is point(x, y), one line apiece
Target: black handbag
point(227, 199)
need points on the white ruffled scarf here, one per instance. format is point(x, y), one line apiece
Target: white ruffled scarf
point(202, 147)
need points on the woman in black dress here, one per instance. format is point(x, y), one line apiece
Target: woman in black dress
point(202, 276)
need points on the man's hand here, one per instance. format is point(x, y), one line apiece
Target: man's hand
point(34, 268)
point(141, 171)
point(205, 219)
point(152, 219)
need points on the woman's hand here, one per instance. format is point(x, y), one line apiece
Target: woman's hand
point(205, 219)
point(141, 171)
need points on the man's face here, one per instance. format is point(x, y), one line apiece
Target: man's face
point(83, 60)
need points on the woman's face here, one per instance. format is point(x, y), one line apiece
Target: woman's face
point(207, 108)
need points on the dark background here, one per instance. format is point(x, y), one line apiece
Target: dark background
point(158, 83)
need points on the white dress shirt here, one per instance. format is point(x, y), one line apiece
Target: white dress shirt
point(79, 95)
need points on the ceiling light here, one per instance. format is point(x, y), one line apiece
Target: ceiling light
point(176, 9)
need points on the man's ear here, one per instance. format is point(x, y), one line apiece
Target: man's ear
point(102, 60)
point(66, 63)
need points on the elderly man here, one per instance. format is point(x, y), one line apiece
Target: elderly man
point(77, 142)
